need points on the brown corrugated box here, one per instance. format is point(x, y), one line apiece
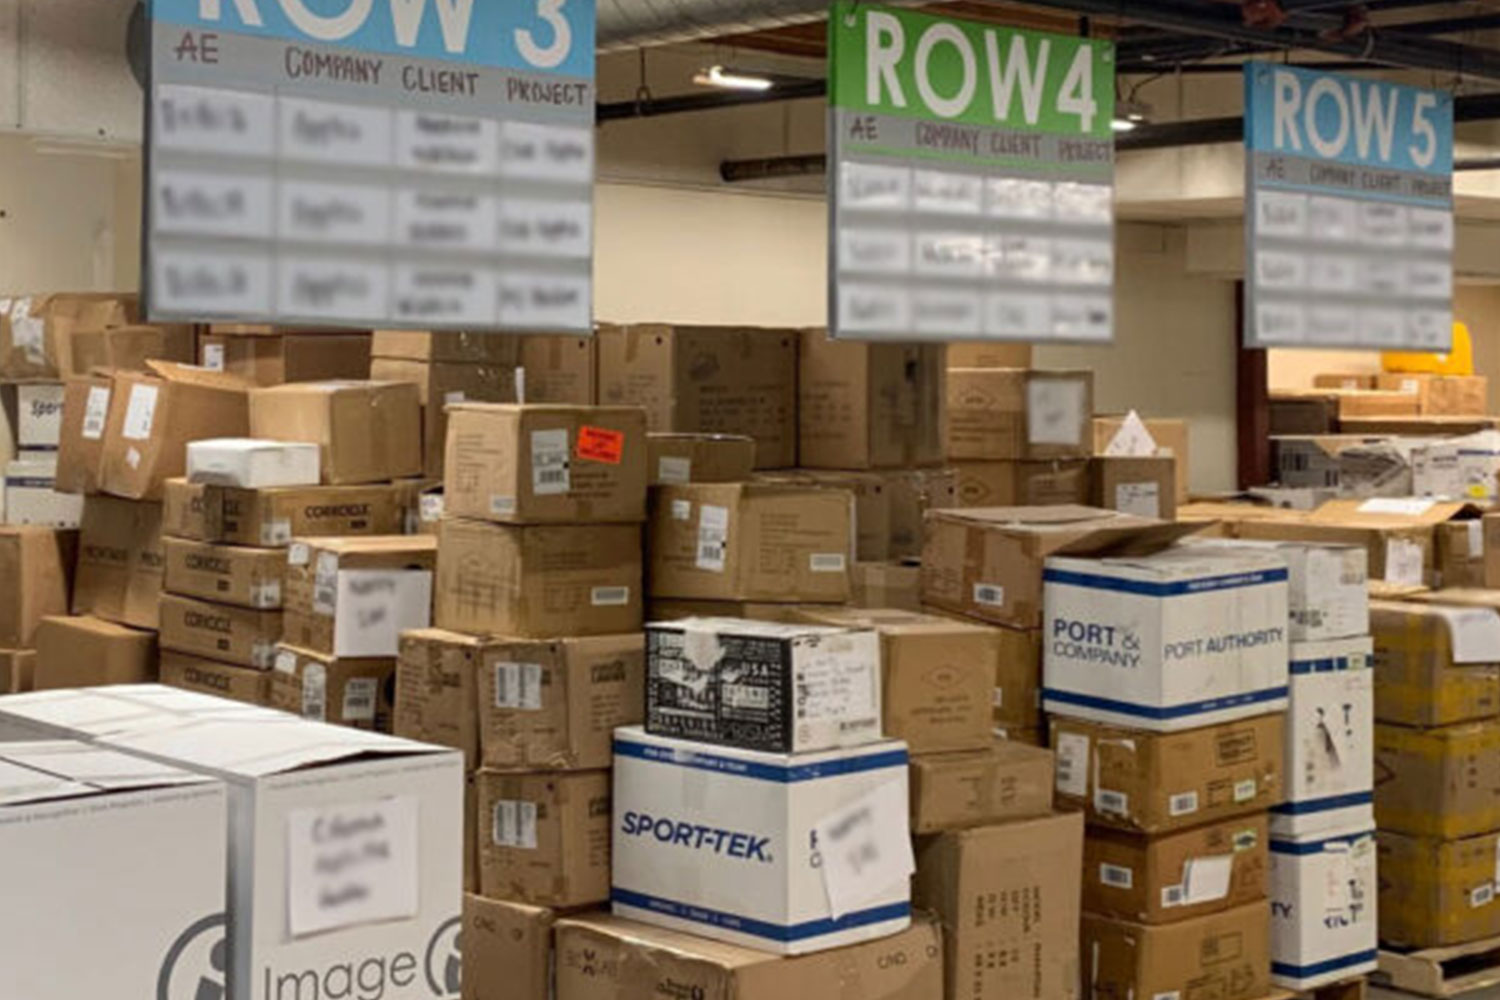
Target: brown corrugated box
point(1435, 893)
point(1460, 554)
point(562, 370)
point(1417, 683)
point(988, 354)
point(368, 432)
point(437, 681)
point(544, 838)
point(886, 585)
point(279, 358)
point(80, 448)
point(1131, 876)
point(1225, 955)
point(231, 574)
point(36, 331)
point(120, 560)
point(673, 458)
point(1491, 530)
point(507, 950)
point(182, 510)
point(1022, 484)
point(36, 567)
point(312, 612)
point(85, 651)
point(890, 506)
point(1143, 486)
point(1014, 413)
point(670, 609)
point(1440, 395)
point(226, 680)
point(441, 384)
point(244, 636)
point(869, 405)
point(273, 516)
point(1005, 781)
point(1303, 413)
point(344, 690)
point(445, 345)
point(1441, 782)
point(1345, 380)
point(128, 348)
point(1171, 437)
point(17, 670)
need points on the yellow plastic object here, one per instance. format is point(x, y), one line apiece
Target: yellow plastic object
point(1458, 361)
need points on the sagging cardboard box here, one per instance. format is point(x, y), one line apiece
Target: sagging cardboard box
point(1330, 733)
point(246, 636)
point(248, 463)
point(1460, 554)
point(17, 670)
point(751, 542)
point(1175, 876)
point(554, 704)
point(1015, 413)
point(1346, 380)
point(230, 574)
point(544, 838)
point(84, 651)
point(36, 330)
point(353, 691)
point(152, 417)
point(128, 348)
point(120, 560)
point(37, 565)
point(937, 676)
point(1435, 893)
point(987, 562)
point(1440, 395)
point(1129, 779)
point(1428, 671)
point(267, 360)
point(1022, 484)
point(1004, 781)
point(559, 369)
point(353, 597)
point(215, 677)
point(1323, 906)
point(39, 408)
point(31, 495)
point(508, 952)
point(674, 459)
point(1442, 782)
point(1227, 955)
point(720, 380)
point(80, 450)
point(441, 384)
point(297, 909)
point(115, 848)
point(1327, 586)
point(610, 958)
point(369, 432)
point(1007, 890)
point(538, 581)
point(884, 585)
point(546, 464)
point(988, 354)
point(772, 832)
point(1146, 437)
point(1143, 486)
point(437, 689)
point(274, 516)
point(869, 405)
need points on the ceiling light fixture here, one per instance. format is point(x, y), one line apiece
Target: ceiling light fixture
point(1129, 114)
point(728, 79)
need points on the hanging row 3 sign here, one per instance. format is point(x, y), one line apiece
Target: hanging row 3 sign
point(971, 180)
point(1349, 212)
point(407, 163)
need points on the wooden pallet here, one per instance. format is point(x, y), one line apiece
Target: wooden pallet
point(1442, 972)
point(1349, 989)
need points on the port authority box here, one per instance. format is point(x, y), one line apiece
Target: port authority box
point(1323, 913)
point(1182, 638)
point(114, 874)
point(345, 847)
point(762, 849)
point(1330, 738)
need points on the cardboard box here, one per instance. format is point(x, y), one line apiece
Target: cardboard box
point(1491, 529)
point(1225, 955)
point(1146, 487)
point(1018, 679)
point(1010, 890)
point(1186, 637)
point(869, 405)
point(229, 574)
point(1175, 876)
point(441, 384)
point(287, 357)
point(36, 330)
point(546, 464)
point(1164, 438)
point(1422, 676)
point(988, 354)
point(554, 704)
point(152, 417)
point(559, 369)
point(85, 651)
point(890, 506)
point(245, 636)
point(1378, 403)
point(1442, 782)
point(1323, 906)
point(509, 950)
point(17, 670)
point(872, 504)
point(1129, 779)
point(1463, 468)
point(120, 560)
point(1327, 586)
point(31, 495)
point(39, 408)
point(347, 691)
point(937, 676)
point(538, 580)
point(1435, 893)
point(545, 838)
point(1014, 413)
point(252, 464)
point(1022, 484)
point(674, 459)
point(883, 585)
point(1004, 781)
point(224, 680)
point(1460, 554)
point(987, 562)
point(369, 432)
point(37, 564)
point(183, 510)
point(1355, 465)
point(273, 517)
point(766, 825)
point(68, 807)
point(353, 597)
point(128, 348)
point(1330, 734)
point(1346, 380)
point(1316, 413)
point(719, 380)
point(1419, 426)
point(760, 611)
point(751, 542)
point(447, 345)
point(437, 689)
point(1440, 395)
point(763, 686)
point(80, 450)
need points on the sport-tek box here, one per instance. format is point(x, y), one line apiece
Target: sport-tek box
point(348, 691)
point(119, 852)
point(509, 954)
point(1434, 665)
point(39, 415)
point(951, 791)
point(37, 565)
point(674, 459)
point(368, 432)
point(546, 464)
point(1175, 876)
point(1223, 955)
point(120, 562)
point(353, 597)
point(869, 405)
point(31, 495)
point(304, 798)
point(252, 464)
point(1013, 413)
point(440, 385)
point(737, 845)
point(544, 838)
point(80, 448)
point(1435, 893)
point(763, 685)
point(1438, 782)
point(230, 574)
point(85, 651)
point(1183, 638)
point(1327, 590)
point(1330, 734)
point(1323, 906)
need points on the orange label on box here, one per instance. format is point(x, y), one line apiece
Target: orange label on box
point(600, 445)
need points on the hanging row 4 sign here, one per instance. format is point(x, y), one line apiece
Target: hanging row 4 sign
point(971, 180)
point(407, 163)
point(1349, 212)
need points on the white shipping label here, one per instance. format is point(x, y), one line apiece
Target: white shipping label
point(865, 847)
point(213, 357)
point(1475, 634)
point(549, 462)
point(276, 532)
point(518, 686)
point(1407, 506)
point(28, 332)
point(991, 594)
point(682, 510)
point(297, 554)
point(713, 537)
point(1072, 776)
point(515, 824)
point(1169, 995)
point(315, 692)
point(609, 597)
point(96, 409)
point(140, 412)
point(675, 470)
point(1475, 532)
point(352, 863)
point(1107, 800)
point(1483, 895)
point(1183, 803)
point(359, 699)
point(502, 506)
point(1116, 876)
point(833, 684)
point(286, 662)
point(1403, 561)
point(1206, 879)
point(1056, 411)
point(376, 605)
point(1245, 790)
point(431, 509)
point(827, 562)
point(1141, 499)
point(325, 584)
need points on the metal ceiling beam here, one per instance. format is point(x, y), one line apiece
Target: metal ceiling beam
point(1210, 69)
point(1451, 25)
point(713, 100)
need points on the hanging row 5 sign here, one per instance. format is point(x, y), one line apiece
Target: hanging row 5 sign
point(971, 180)
point(1349, 212)
point(418, 163)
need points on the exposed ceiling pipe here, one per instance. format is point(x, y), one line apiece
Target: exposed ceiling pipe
point(708, 101)
point(630, 24)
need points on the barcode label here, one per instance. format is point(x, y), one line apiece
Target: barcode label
point(674, 469)
point(1107, 801)
point(713, 537)
point(326, 584)
point(431, 507)
point(549, 462)
point(827, 562)
point(263, 653)
point(682, 510)
point(315, 692)
point(277, 532)
point(1244, 791)
point(298, 554)
point(518, 686)
point(991, 594)
point(499, 506)
point(1072, 776)
point(359, 699)
point(266, 594)
point(1183, 803)
point(286, 661)
point(1172, 895)
point(1482, 895)
point(609, 597)
point(1245, 840)
point(96, 409)
point(515, 824)
point(1116, 876)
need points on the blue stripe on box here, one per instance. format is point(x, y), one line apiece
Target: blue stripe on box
point(1163, 712)
point(1324, 805)
point(760, 928)
point(1327, 965)
point(1202, 585)
point(1300, 848)
point(780, 773)
point(1327, 664)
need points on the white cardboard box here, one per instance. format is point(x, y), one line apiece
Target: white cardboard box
point(30, 496)
point(1323, 889)
point(116, 856)
point(345, 847)
point(1330, 738)
point(39, 415)
point(1187, 637)
point(1462, 468)
point(1327, 588)
point(252, 464)
point(756, 848)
